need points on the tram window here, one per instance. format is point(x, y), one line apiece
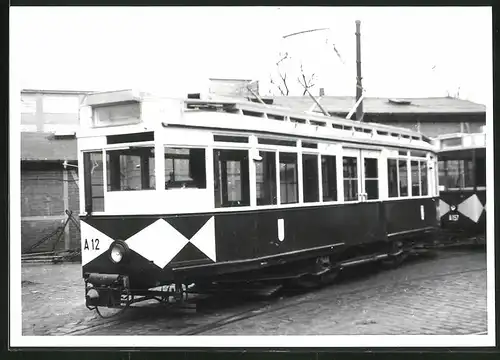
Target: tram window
point(267, 141)
point(350, 165)
point(309, 145)
point(423, 178)
point(371, 178)
point(442, 173)
point(185, 168)
point(480, 171)
point(468, 167)
point(403, 177)
point(131, 169)
point(310, 177)
point(289, 190)
point(94, 181)
point(392, 175)
point(231, 178)
point(329, 176)
point(456, 173)
point(415, 178)
point(266, 178)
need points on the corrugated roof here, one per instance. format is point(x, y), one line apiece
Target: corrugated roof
point(38, 146)
point(343, 104)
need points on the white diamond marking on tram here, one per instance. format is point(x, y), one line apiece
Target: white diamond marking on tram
point(160, 242)
point(100, 244)
point(204, 239)
point(443, 207)
point(471, 207)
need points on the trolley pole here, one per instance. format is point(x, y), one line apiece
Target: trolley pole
point(359, 86)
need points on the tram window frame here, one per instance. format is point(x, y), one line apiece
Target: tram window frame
point(285, 160)
point(114, 162)
point(329, 177)
point(198, 178)
point(268, 186)
point(221, 186)
point(310, 178)
point(349, 180)
point(89, 167)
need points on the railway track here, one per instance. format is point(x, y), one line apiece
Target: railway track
point(137, 316)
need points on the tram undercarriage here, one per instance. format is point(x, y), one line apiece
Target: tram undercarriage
point(115, 290)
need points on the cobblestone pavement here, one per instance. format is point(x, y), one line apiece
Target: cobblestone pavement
point(52, 296)
point(442, 295)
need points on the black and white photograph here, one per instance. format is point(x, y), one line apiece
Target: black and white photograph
point(251, 176)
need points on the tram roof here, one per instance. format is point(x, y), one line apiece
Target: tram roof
point(460, 142)
point(212, 103)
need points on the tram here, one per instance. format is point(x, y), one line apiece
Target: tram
point(462, 185)
point(210, 191)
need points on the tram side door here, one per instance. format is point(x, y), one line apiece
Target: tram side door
point(369, 188)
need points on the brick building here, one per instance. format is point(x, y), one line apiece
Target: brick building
point(49, 120)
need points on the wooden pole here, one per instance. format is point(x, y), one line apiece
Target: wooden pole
point(359, 86)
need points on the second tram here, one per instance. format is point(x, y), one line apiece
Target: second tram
point(462, 184)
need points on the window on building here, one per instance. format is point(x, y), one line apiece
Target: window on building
point(94, 181)
point(403, 177)
point(371, 178)
point(329, 177)
point(185, 168)
point(310, 177)
point(231, 178)
point(350, 166)
point(289, 190)
point(392, 175)
point(131, 169)
point(266, 178)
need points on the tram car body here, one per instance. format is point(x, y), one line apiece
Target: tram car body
point(182, 191)
point(462, 184)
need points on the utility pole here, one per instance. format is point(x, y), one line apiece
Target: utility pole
point(359, 86)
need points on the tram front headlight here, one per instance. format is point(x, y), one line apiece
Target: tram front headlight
point(117, 252)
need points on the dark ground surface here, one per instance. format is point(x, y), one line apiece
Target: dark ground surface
point(444, 294)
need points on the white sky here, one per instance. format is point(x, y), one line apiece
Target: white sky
point(175, 50)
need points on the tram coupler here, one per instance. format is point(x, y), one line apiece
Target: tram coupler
point(105, 290)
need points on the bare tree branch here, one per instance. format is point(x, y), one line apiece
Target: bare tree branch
point(307, 84)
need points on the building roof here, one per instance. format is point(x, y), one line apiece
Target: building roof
point(38, 146)
point(344, 104)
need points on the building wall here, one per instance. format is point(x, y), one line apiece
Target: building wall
point(43, 206)
point(50, 112)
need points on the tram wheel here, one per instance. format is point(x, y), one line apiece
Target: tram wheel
point(324, 273)
point(397, 256)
